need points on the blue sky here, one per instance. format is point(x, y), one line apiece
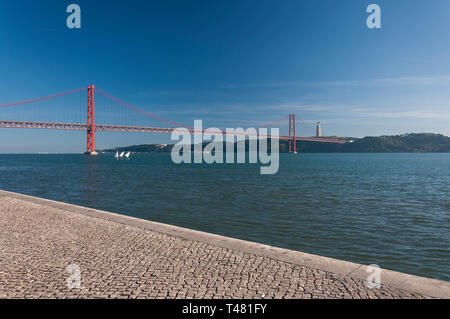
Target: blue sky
point(233, 63)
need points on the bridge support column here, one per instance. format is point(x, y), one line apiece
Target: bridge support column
point(290, 141)
point(90, 148)
point(292, 137)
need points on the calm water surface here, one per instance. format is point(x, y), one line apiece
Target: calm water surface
point(388, 209)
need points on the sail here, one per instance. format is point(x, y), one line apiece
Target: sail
point(121, 154)
point(127, 154)
point(117, 155)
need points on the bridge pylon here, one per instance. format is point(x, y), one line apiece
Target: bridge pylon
point(292, 136)
point(90, 147)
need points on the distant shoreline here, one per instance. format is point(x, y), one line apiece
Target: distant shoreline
point(405, 143)
point(167, 153)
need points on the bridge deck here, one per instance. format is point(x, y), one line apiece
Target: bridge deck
point(143, 129)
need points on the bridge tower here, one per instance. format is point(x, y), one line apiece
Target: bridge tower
point(292, 133)
point(290, 141)
point(90, 148)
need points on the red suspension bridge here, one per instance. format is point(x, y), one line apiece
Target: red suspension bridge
point(66, 111)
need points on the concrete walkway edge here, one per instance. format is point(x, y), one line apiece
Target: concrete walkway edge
point(425, 286)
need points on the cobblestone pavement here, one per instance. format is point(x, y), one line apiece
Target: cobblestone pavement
point(38, 243)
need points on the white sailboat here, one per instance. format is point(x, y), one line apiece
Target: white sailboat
point(121, 154)
point(127, 155)
point(117, 155)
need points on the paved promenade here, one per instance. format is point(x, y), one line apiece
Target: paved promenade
point(123, 257)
